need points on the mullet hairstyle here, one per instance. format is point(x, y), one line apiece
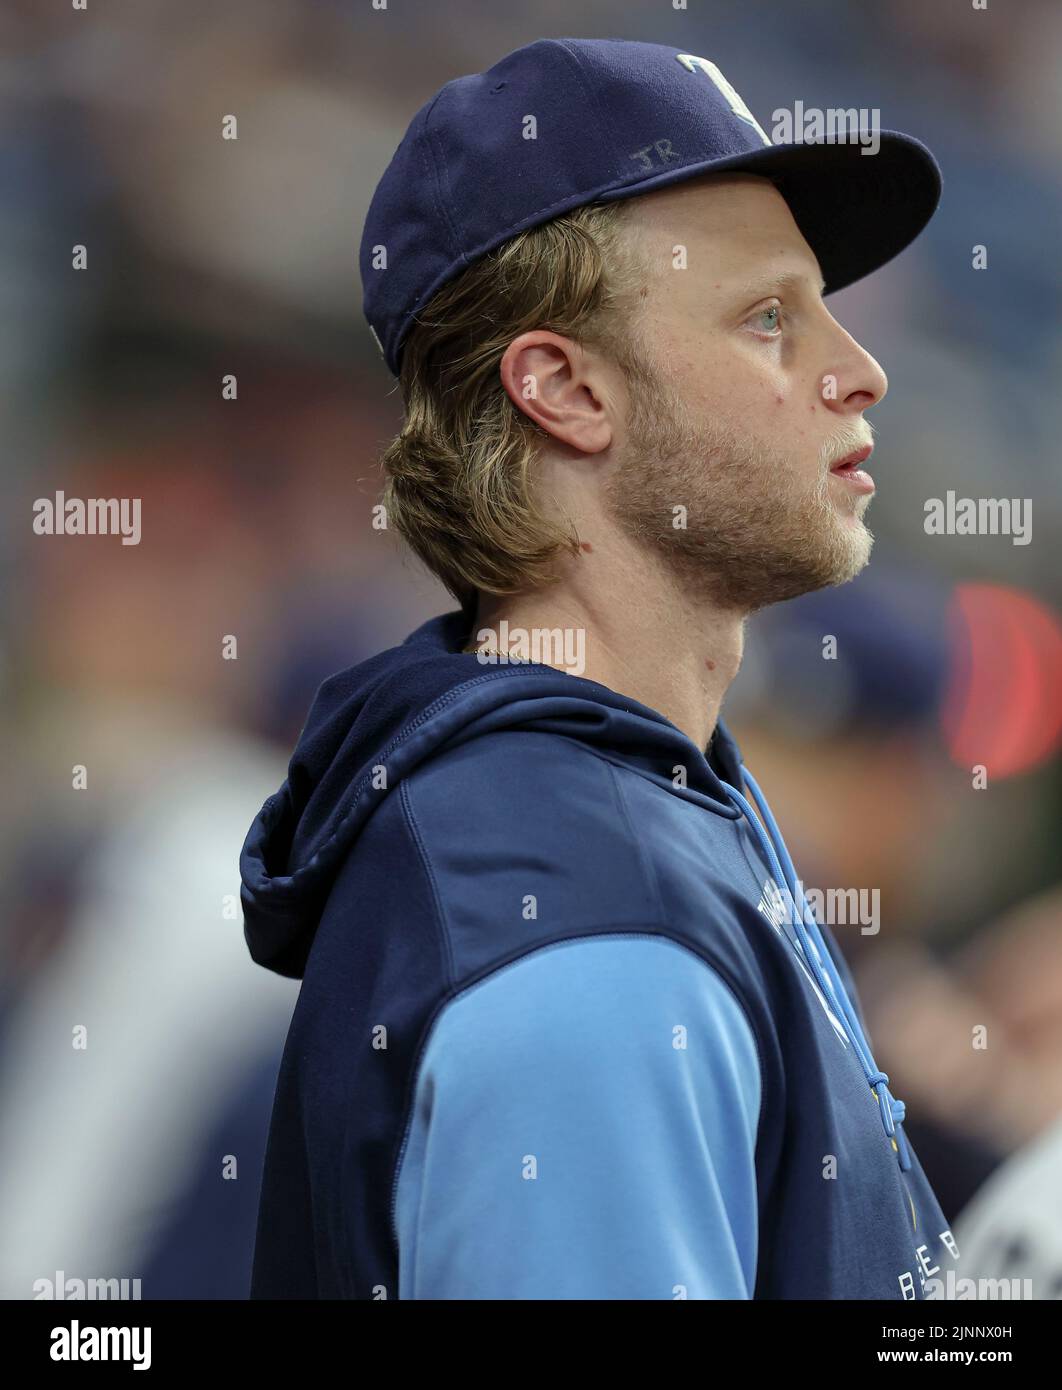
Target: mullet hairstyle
point(460, 475)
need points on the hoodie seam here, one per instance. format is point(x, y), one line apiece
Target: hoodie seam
point(422, 853)
point(639, 931)
point(648, 868)
point(726, 809)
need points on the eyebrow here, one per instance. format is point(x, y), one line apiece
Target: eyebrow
point(764, 283)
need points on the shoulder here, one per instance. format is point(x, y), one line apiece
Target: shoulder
point(621, 1004)
point(527, 827)
point(506, 769)
point(584, 1125)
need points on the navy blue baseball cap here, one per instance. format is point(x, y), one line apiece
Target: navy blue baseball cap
point(612, 119)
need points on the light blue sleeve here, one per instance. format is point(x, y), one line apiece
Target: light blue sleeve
point(584, 1127)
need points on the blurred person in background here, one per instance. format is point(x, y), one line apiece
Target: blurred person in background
point(140, 1153)
point(867, 674)
point(101, 1134)
point(1012, 1229)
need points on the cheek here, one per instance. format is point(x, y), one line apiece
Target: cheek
point(786, 421)
point(755, 392)
point(746, 398)
point(773, 417)
point(741, 400)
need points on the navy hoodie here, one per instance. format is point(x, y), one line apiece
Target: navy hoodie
point(567, 1026)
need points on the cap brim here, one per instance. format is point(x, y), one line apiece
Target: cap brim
point(856, 211)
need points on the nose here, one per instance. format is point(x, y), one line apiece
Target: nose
point(856, 381)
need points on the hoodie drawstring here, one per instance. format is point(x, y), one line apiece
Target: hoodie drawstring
point(821, 961)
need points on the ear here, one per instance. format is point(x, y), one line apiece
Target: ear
point(560, 386)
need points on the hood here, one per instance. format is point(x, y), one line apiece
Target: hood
point(373, 724)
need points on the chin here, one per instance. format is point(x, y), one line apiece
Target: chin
point(844, 553)
point(859, 544)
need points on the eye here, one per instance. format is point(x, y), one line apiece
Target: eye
point(767, 322)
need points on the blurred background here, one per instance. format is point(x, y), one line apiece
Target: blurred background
point(140, 1154)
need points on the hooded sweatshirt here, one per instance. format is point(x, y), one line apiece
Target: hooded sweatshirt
point(567, 1028)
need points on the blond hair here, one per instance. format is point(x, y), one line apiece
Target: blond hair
point(460, 473)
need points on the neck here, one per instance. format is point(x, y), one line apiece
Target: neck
point(640, 635)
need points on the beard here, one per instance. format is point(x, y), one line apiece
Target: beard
point(735, 521)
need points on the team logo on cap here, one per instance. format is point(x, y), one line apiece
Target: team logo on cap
point(692, 63)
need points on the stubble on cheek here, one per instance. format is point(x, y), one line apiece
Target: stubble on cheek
point(738, 520)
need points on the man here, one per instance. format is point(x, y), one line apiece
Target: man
point(567, 1028)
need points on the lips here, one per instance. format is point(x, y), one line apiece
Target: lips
point(851, 461)
point(849, 471)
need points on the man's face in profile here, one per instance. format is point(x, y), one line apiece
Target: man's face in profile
point(754, 394)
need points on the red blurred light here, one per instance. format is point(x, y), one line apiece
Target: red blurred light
point(1003, 706)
